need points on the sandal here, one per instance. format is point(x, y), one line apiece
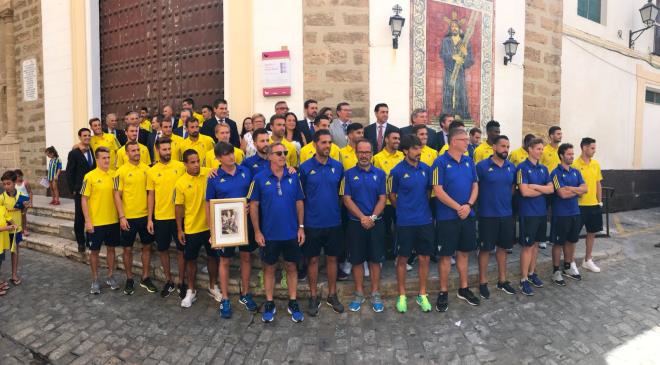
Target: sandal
point(15, 282)
point(3, 292)
point(4, 285)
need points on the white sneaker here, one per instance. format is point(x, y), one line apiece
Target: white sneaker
point(543, 245)
point(558, 279)
point(215, 293)
point(366, 269)
point(408, 267)
point(345, 267)
point(589, 265)
point(205, 269)
point(572, 272)
point(453, 261)
point(191, 297)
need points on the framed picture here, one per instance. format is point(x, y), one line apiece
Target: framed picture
point(228, 222)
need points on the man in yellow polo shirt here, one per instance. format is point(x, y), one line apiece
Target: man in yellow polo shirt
point(485, 149)
point(189, 104)
point(428, 154)
point(195, 140)
point(222, 133)
point(161, 179)
point(591, 202)
point(452, 125)
point(132, 136)
point(354, 133)
point(107, 140)
point(550, 156)
point(386, 160)
point(190, 205)
point(101, 221)
point(145, 123)
point(278, 128)
point(321, 122)
point(520, 154)
point(175, 141)
point(131, 202)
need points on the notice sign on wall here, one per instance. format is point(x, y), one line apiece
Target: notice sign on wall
point(29, 71)
point(276, 73)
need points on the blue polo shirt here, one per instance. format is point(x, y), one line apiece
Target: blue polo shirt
point(364, 187)
point(411, 184)
point(456, 179)
point(561, 177)
point(226, 186)
point(320, 184)
point(278, 217)
point(495, 188)
point(528, 173)
point(256, 164)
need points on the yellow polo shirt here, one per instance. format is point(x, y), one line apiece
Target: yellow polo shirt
point(146, 124)
point(122, 157)
point(202, 145)
point(386, 162)
point(8, 202)
point(550, 157)
point(517, 156)
point(308, 151)
point(482, 152)
point(348, 157)
point(292, 155)
point(445, 148)
point(428, 155)
point(592, 175)
point(211, 162)
point(161, 179)
point(98, 187)
point(110, 142)
point(175, 147)
point(5, 218)
point(190, 191)
point(131, 180)
point(197, 116)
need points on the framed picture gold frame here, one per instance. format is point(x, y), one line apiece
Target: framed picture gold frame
point(229, 225)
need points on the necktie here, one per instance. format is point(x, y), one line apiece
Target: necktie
point(345, 126)
point(88, 156)
point(311, 127)
point(380, 137)
point(185, 133)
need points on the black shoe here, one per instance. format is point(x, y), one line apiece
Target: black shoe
point(483, 291)
point(412, 259)
point(168, 288)
point(468, 296)
point(334, 302)
point(342, 276)
point(442, 303)
point(657, 245)
point(313, 306)
point(182, 290)
point(302, 274)
point(149, 285)
point(434, 259)
point(506, 287)
point(81, 248)
point(129, 288)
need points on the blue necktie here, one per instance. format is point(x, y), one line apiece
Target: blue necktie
point(88, 156)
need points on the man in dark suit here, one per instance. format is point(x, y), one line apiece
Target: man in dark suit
point(417, 117)
point(376, 132)
point(133, 118)
point(221, 112)
point(442, 137)
point(306, 126)
point(111, 128)
point(79, 162)
point(153, 136)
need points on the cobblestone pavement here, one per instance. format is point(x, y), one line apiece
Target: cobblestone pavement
point(611, 317)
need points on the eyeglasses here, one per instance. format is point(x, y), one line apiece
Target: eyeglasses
point(280, 153)
point(279, 188)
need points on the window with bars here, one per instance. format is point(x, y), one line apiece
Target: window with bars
point(652, 96)
point(590, 9)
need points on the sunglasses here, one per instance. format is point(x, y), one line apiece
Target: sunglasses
point(280, 153)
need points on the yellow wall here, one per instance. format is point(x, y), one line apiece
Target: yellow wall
point(239, 62)
point(79, 64)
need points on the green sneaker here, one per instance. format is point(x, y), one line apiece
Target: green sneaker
point(402, 304)
point(423, 301)
point(283, 282)
point(261, 280)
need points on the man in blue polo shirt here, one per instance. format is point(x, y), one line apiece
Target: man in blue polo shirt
point(363, 188)
point(534, 184)
point(408, 185)
point(277, 212)
point(232, 181)
point(455, 186)
point(320, 177)
point(496, 226)
point(566, 218)
point(259, 161)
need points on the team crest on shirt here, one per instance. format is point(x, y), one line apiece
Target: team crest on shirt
point(243, 175)
point(222, 180)
point(98, 181)
point(490, 169)
point(467, 164)
point(333, 170)
point(357, 178)
point(290, 181)
point(255, 165)
point(267, 183)
point(508, 169)
point(529, 171)
point(312, 172)
point(189, 186)
point(423, 173)
point(375, 177)
point(405, 176)
point(449, 166)
point(563, 175)
point(129, 175)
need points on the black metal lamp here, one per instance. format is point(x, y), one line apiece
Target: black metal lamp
point(396, 24)
point(649, 13)
point(510, 47)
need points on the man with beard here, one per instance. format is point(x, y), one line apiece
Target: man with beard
point(307, 125)
point(277, 126)
point(259, 161)
point(196, 141)
point(132, 136)
point(107, 140)
point(485, 149)
point(550, 157)
point(321, 122)
point(166, 132)
point(428, 154)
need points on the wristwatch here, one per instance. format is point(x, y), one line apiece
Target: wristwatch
point(301, 226)
point(373, 217)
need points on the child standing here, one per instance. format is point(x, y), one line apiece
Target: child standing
point(24, 188)
point(6, 226)
point(14, 202)
point(54, 170)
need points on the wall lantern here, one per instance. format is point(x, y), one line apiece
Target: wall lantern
point(510, 47)
point(649, 13)
point(396, 24)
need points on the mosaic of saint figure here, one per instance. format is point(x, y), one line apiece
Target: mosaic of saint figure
point(456, 53)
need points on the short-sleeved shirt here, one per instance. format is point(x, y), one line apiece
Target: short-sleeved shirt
point(190, 191)
point(495, 188)
point(9, 202)
point(518, 155)
point(411, 184)
point(226, 185)
point(348, 157)
point(5, 218)
point(550, 157)
point(309, 150)
point(320, 184)
point(146, 125)
point(98, 187)
point(131, 180)
point(199, 117)
point(175, 148)
point(54, 164)
point(445, 148)
point(529, 173)
point(161, 179)
point(592, 175)
point(211, 162)
point(256, 164)
point(122, 156)
point(561, 177)
point(364, 187)
point(202, 145)
point(292, 154)
point(278, 215)
point(482, 152)
point(108, 141)
point(456, 179)
point(386, 162)
point(428, 156)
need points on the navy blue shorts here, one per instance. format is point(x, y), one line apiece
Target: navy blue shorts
point(533, 230)
point(289, 250)
point(328, 239)
point(138, 226)
point(195, 242)
point(592, 218)
point(365, 245)
point(19, 238)
point(107, 234)
point(565, 229)
point(418, 239)
point(496, 232)
point(165, 232)
point(456, 235)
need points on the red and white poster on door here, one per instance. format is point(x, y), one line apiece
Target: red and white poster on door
point(276, 73)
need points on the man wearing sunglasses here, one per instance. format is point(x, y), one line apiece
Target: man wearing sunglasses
point(277, 212)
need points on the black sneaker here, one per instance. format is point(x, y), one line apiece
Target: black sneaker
point(81, 248)
point(341, 275)
point(506, 287)
point(149, 285)
point(182, 288)
point(313, 306)
point(468, 296)
point(302, 274)
point(483, 291)
point(129, 288)
point(168, 288)
point(442, 303)
point(334, 302)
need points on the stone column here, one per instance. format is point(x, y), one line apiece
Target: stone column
point(9, 144)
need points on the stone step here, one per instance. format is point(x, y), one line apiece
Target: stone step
point(58, 227)
point(40, 207)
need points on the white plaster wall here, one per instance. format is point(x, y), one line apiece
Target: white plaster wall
point(508, 80)
point(57, 74)
point(389, 69)
point(278, 24)
point(650, 145)
point(93, 58)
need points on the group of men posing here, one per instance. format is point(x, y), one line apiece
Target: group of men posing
point(342, 200)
